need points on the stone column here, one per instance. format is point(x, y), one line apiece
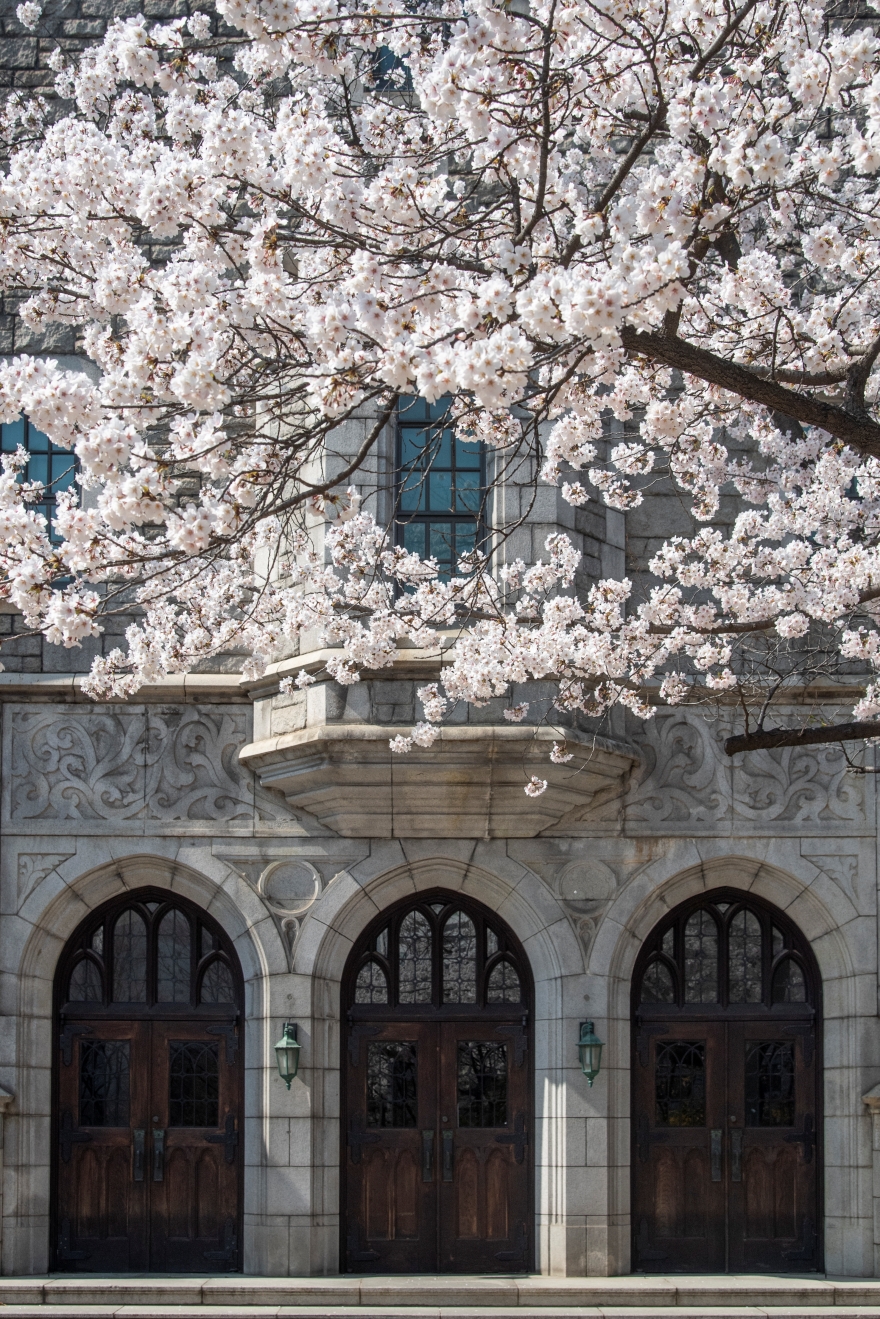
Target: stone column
point(6, 1098)
point(871, 1100)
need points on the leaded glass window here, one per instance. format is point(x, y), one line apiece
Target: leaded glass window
point(657, 984)
point(217, 986)
point(482, 1084)
point(391, 1084)
point(130, 958)
point(48, 463)
point(701, 958)
point(85, 983)
point(744, 958)
point(459, 959)
point(680, 1084)
point(414, 959)
point(371, 985)
point(788, 983)
point(174, 971)
point(769, 1084)
point(735, 954)
point(145, 954)
point(503, 985)
point(104, 1083)
point(193, 1084)
point(440, 484)
point(438, 952)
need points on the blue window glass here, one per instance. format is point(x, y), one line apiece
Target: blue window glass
point(441, 484)
point(55, 467)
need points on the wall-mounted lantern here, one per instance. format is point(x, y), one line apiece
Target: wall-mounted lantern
point(287, 1053)
point(590, 1051)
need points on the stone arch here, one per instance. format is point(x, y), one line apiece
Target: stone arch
point(821, 911)
point(52, 912)
point(524, 902)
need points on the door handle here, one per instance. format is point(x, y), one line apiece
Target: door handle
point(158, 1155)
point(427, 1156)
point(715, 1153)
point(736, 1150)
point(140, 1137)
point(447, 1155)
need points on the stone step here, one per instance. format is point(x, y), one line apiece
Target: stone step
point(452, 1297)
point(80, 1310)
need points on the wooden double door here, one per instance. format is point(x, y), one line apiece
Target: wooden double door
point(148, 1134)
point(147, 1126)
point(438, 1136)
point(726, 1166)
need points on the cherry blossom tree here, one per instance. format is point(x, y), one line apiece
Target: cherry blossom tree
point(633, 243)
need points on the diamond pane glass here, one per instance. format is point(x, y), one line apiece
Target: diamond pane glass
point(657, 984)
point(217, 986)
point(459, 959)
point(701, 959)
point(744, 958)
point(414, 954)
point(482, 1084)
point(173, 953)
point(129, 959)
point(504, 986)
point(680, 1084)
point(371, 985)
point(85, 983)
point(789, 985)
point(103, 1083)
point(391, 1084)
point(769, 1084)
point(193, 1084)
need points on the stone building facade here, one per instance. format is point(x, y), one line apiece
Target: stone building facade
point(285, 830)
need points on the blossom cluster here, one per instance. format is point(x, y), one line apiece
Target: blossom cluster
point(628, 239)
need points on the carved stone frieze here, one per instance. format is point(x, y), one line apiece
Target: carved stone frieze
point(127, 766)
point(682, 783)
point(35, 866)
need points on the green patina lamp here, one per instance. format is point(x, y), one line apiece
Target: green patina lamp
point(287, 1053)
point(590, 1051)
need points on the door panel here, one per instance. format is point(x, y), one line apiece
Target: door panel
point(147, 1139)
point(484, 1130)
point(679, 1092)
point(103, 1099)
point(725, 1171)
point(195, 1120)
point(392, 1206)
point(772, 1090)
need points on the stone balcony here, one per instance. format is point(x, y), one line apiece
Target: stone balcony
point(327, 750)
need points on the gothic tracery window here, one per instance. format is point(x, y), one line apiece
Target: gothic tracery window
point(145, 953)
point(437, 953)
point(727, 952)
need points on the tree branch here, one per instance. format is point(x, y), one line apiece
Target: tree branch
point(859, 432)
point(801, 737)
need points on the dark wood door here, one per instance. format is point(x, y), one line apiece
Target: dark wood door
point(391, 1138)
point(148, 1099)
point(772, 1132)
point(103, 1193)
point(484, 1138)
point(679, 1203)
point(148, 1137)
point(437, 1118)
point(726, 1072)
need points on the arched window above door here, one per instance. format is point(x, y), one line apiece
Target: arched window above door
point(437, 953)
point(725, 951)
point(148, 953)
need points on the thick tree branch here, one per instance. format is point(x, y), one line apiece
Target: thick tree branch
point(859, 432)
point(801, 737)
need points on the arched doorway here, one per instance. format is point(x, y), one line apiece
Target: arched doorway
point(726, 1096)
point(147, 1091)
point(437, 1097)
